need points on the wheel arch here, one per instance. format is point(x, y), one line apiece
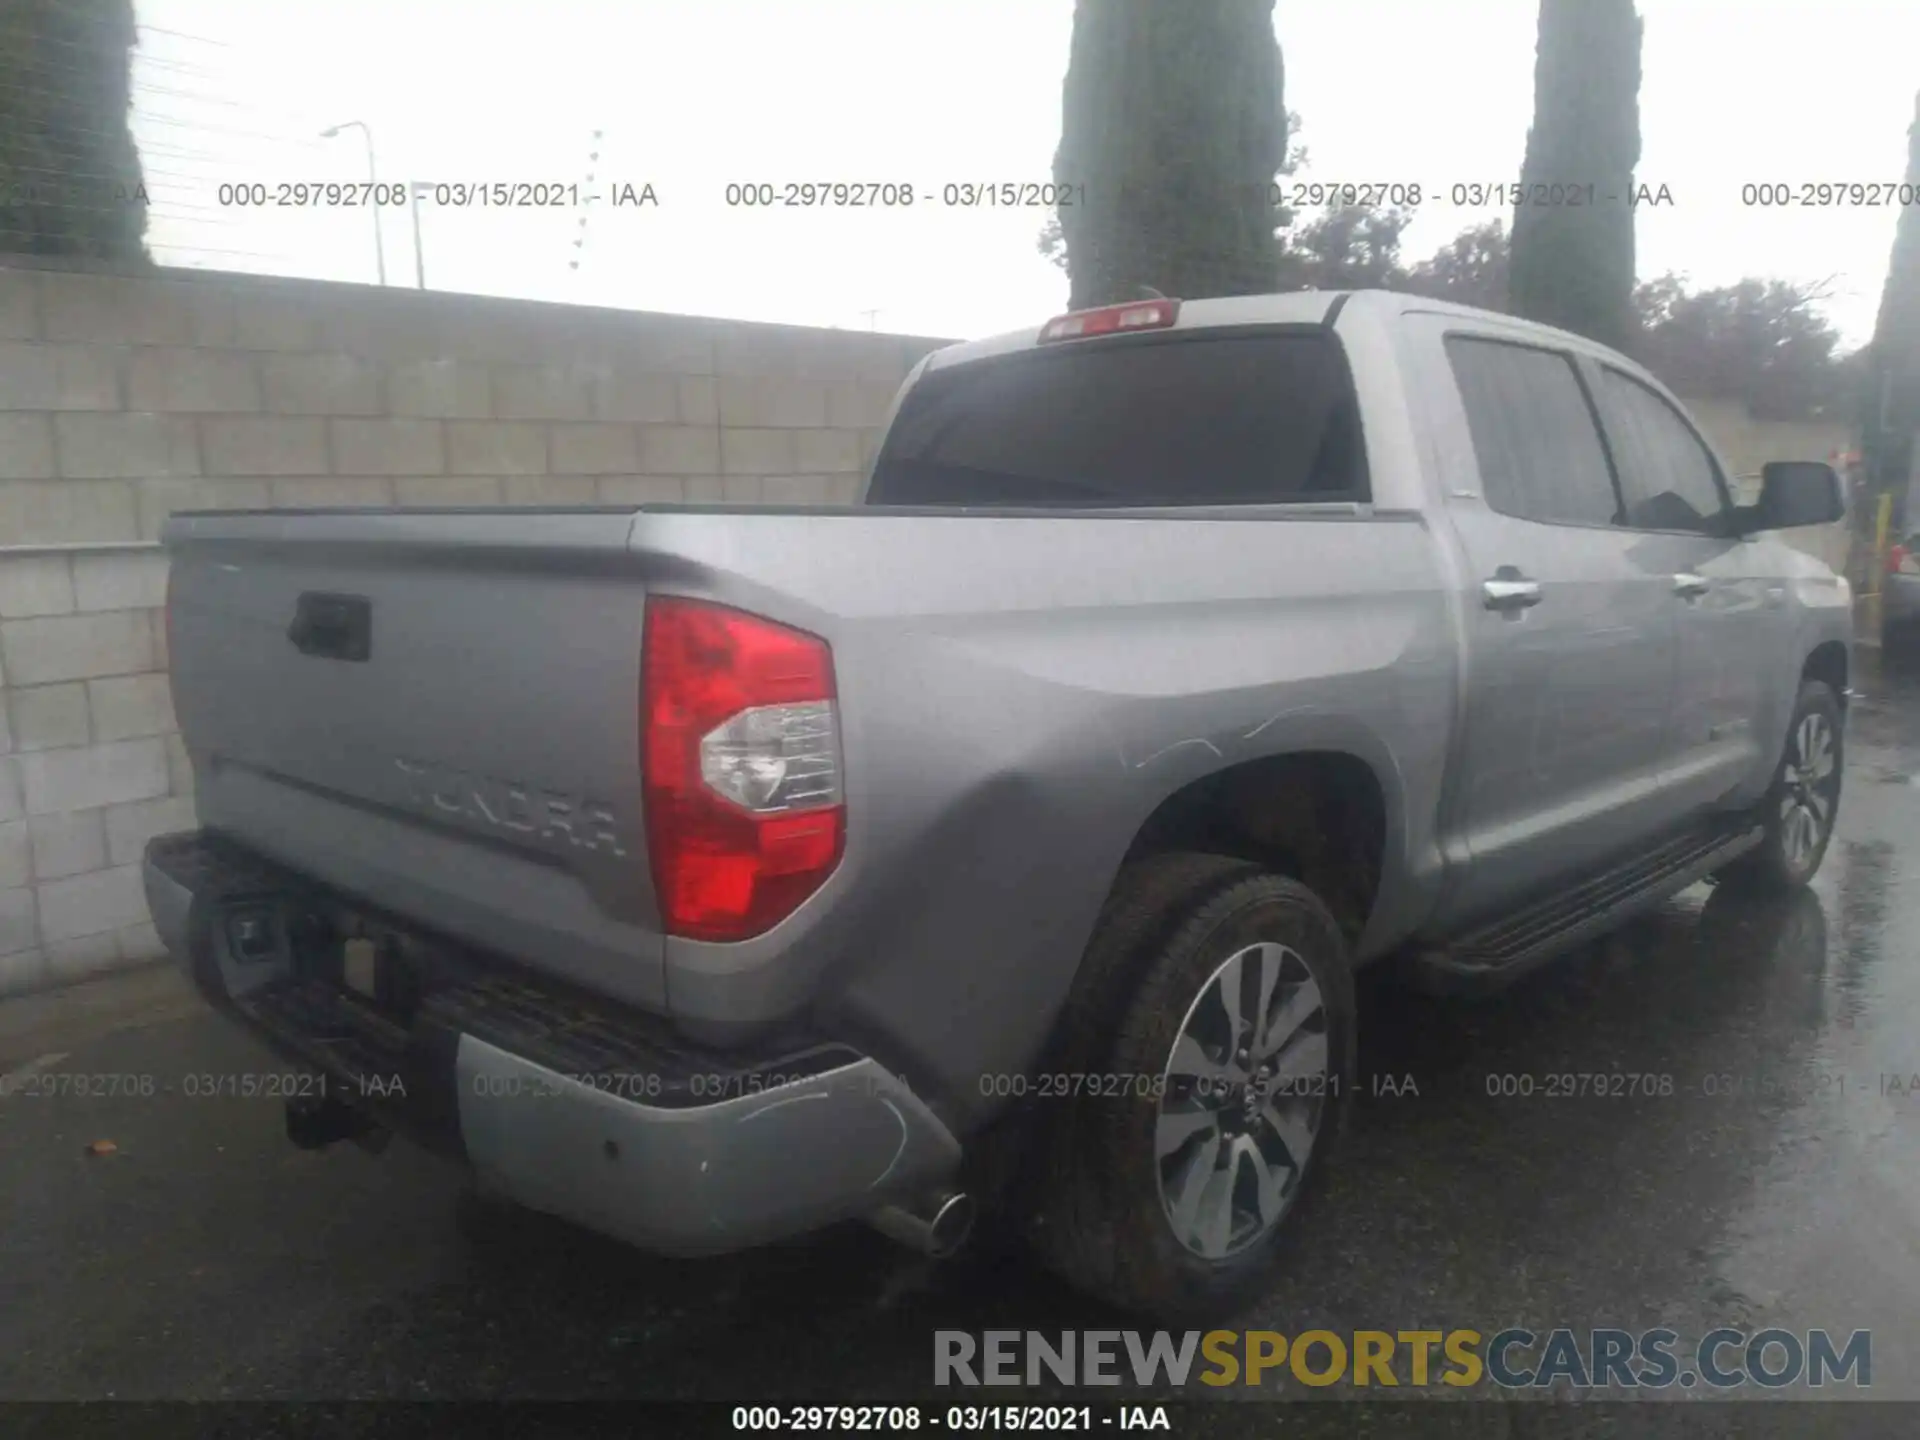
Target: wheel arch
point(1323, 816)
point(1329, 816)
point(1828, 662)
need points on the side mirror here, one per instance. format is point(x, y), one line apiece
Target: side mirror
point(1798, 492)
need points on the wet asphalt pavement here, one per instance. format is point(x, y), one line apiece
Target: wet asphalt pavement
point(1778, 1184)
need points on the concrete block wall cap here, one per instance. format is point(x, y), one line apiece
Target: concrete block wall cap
point(81, 547)
point(302, 288)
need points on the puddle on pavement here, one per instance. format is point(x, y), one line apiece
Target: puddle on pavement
point(1829, 1235)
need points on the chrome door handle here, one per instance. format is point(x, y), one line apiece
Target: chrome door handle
point(1691, 585)
point(1506, 594)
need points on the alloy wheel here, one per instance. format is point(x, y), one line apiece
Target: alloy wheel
point(1243, 1097)
point(1811, 783)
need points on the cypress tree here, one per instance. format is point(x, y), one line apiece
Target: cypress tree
point(1573, 265)
point(1893, 406)
point(70, 177)
point(1173, 128)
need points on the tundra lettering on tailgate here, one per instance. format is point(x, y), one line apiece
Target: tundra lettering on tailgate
point(550, 815)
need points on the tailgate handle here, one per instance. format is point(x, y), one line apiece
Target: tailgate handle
point(332, 627)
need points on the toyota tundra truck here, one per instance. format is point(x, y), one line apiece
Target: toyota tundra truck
point(1007, 842)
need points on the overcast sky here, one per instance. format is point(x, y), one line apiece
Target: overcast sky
point(694, 94)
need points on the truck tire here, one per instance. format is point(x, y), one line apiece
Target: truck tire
point(1173, 1164)
point(1803, 802)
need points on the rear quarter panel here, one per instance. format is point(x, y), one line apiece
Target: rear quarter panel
point(1018, 693)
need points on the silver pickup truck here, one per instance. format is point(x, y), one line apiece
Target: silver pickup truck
point(1007, 843)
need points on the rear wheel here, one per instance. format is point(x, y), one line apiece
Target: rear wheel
point(1804, 801)
point(1213, 1043)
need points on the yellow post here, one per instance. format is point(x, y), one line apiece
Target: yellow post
point(1882, 522)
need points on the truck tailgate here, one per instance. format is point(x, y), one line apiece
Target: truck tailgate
point(436, 712)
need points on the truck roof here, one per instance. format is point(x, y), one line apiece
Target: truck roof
point(1296, 307)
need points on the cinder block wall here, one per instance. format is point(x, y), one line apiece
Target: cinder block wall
point(123, 399)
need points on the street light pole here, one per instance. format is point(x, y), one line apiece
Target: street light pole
point(419, 263)
point(379, 242)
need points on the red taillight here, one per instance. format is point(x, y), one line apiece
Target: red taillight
point(1111, 319)
point(740, 758)
point(1900, 561)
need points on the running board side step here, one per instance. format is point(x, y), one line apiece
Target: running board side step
point(1507, 948)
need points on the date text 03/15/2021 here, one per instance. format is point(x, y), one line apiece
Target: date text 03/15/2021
point(963, 1419)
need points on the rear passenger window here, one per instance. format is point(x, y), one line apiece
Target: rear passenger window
point(1534, 433)
point(1667, 474)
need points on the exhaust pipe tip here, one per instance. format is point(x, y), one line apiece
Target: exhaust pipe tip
point(951, 1227)
point(938, 1229)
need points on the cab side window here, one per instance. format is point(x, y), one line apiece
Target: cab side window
point(1534, 434)
point(1669, 479)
